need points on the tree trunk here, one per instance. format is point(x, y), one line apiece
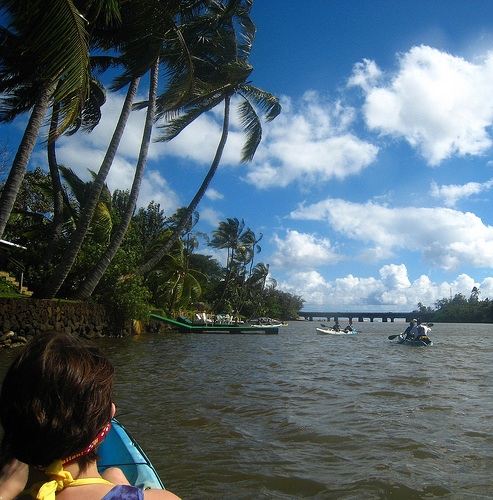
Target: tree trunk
point(97, 272)
point(153, 261)
point(51, 287)
point(23, 155)
point(228, 279)
point(57, 223)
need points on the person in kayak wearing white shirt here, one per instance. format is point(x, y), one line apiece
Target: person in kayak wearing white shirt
point(422, 330)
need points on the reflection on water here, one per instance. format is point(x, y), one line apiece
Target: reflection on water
point(302, 415)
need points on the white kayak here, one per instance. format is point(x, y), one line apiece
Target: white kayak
point(331, 331)
point(120, 450)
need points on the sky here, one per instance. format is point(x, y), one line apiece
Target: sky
point(373, 188)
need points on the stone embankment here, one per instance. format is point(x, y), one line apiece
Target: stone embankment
point(21, 319)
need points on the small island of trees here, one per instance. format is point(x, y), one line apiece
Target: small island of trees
point(458, 309)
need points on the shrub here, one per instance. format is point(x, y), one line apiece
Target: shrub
point(128, 301)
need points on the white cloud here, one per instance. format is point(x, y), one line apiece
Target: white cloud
point(366, 75)
point(306, 144)
point(299, 250)
point(155, 188)
point(446, 238)
point(392, 290)
point(309, 144)
point(452, 193)
point(213, 194)
point(439, 103)
point(213, 217)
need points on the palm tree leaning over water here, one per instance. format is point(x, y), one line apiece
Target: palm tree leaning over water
point(173, 43)
point(148, 24)
point(53, 284)
point(220, 76)
point(95, 275)
point(90, 117)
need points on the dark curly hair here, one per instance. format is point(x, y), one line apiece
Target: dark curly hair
point(55, 398)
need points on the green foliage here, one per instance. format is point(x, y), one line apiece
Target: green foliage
point(459, 309)
point(7, 286)
point(129, 301)
point(282, 305)
point(32, 209)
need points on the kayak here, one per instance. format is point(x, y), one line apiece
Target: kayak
point(425, 342)
point(331, 331)
point(120, 450)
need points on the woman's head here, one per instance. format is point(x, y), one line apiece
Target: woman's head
point(55, 398)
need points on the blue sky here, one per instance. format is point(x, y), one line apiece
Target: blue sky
point(373, 187)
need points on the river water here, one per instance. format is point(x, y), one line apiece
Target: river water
point(303, 415)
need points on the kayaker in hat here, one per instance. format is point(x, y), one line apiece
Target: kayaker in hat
point(408, 333)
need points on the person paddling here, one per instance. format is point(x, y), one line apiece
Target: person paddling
point(409, 332)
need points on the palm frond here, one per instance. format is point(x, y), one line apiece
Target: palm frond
point(267, 102)
point(252, 127)
point(173, 127)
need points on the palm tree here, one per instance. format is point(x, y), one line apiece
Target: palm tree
point(189, 240)
point(257, 282)
point(51, 287)
point(229, 235)
point(97, 272)
point(220, 75)
point(475, 293)
point(141, 40)
point(88, 120)
point(44, 57)
point(239, 281)
point(101, 224)
point(174, 284)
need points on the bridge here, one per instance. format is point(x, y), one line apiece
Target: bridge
point(360, 316)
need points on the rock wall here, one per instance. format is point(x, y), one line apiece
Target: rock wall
point(21, 319)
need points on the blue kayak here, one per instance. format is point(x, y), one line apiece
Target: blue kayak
point(426, 341)
point(120, 450)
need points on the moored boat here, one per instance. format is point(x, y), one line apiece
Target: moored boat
point(120, 450)
point(264, 321)
point(267, 327)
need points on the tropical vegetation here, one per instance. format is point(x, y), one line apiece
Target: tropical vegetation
point(58, 61)
point(183, 280)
